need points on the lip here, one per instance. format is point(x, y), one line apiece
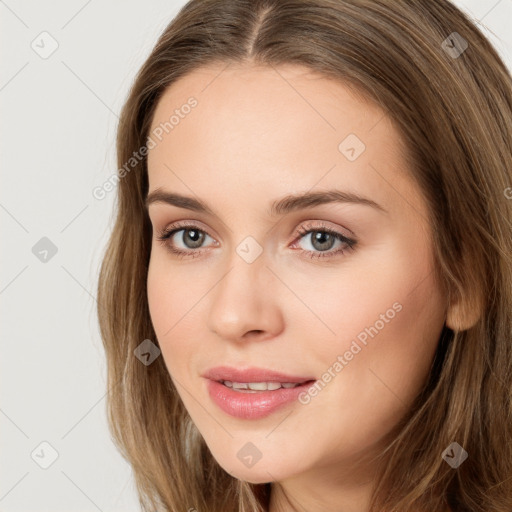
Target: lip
point(252, 374)
point(256, 405)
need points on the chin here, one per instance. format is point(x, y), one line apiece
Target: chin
point(264, 471)
point(259, 476)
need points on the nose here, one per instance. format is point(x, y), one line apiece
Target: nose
point(245, 303)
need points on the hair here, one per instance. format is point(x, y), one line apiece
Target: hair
point(455, 116)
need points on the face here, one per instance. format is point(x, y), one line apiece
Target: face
point(336, 294)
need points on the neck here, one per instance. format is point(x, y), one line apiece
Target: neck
point(319, 493)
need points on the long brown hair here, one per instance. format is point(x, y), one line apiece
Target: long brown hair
point(453, 106)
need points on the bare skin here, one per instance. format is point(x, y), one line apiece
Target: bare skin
point(256, 135)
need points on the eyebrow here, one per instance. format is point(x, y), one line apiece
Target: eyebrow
point(281, 206)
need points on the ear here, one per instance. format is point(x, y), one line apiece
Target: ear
point(464, 312)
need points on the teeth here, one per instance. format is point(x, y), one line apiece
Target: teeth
point(259, 386)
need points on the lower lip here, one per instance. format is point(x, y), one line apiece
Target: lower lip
point(251, 406)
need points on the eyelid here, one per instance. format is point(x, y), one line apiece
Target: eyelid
point(301, 232)
point(307, 229)
point(319, 225)
point(171, 229)
point(311, 224)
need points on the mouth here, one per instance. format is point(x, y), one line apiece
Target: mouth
point(255, 387)
point(254, 378)
point(252, 393)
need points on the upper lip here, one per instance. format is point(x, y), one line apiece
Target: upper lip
point(252, 374)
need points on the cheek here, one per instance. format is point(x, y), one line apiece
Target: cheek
point(385, 360)
point(176, 300)
point(167, 302)
point(360, 301)
point(404, 353)
point(399, 347)
point(384, 318)
point(160, 301)
point(171, 293)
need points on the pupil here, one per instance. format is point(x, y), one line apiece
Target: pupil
point(197, 238)
point(324, 238)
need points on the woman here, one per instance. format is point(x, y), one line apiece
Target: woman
point(306, 300)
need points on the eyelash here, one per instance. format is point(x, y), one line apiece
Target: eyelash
point(165, 235)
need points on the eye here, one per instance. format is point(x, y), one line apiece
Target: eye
point(322, 240)
point(192, 238)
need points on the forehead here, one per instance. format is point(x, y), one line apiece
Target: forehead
point(245, 95)
point(286, 128)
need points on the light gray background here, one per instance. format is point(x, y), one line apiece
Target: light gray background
point(58, 123)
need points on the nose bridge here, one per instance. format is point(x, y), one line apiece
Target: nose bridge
point(248, 262)
point(244, 300)
point(242, 285)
